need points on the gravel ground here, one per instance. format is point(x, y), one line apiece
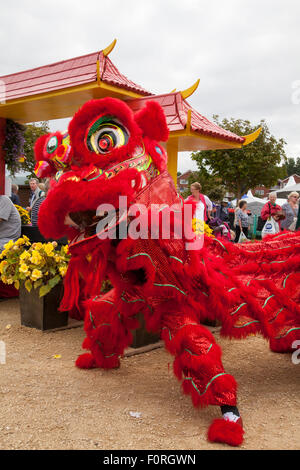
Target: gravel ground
point(47, 403)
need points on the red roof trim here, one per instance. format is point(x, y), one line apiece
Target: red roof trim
point(176, 112)
point(48, 65)
point(110, 74)
point(72, 72)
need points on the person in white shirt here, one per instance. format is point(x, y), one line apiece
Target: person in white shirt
point(202, 205)
point(36, 193)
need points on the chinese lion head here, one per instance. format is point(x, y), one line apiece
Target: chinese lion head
point(109, 151)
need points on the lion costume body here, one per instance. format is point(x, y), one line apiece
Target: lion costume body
point(250, 288)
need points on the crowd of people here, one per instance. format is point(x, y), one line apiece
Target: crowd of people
point(217, 215)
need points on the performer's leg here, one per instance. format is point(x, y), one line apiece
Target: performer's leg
point(286, 338)
point(108, 332)
point(284, 326)
point(282, 311)
point(198, 363)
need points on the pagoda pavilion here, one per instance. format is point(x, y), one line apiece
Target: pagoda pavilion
point(57, 91)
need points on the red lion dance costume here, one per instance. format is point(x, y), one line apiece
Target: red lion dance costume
point(250, 288)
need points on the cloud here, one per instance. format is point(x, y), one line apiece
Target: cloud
point(245, 53)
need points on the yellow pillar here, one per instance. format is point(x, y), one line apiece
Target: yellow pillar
point(172, 151)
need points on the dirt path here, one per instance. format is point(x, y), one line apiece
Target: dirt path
point(47, 403)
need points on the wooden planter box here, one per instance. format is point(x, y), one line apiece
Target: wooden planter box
point(42, 312)
point(141, 337)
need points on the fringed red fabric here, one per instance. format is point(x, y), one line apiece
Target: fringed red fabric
point(226, 432)
point(197, 360)
point(220, 391)
point(8, 291)
point(71, 286)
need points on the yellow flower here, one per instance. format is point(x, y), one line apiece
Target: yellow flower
point(2, 266)
point(26, 239)
point(63, 270)
point(36, 274)
point(49, 248)
point(8, 245)
point(24, 268)
point(37, 246)
point(198, 226)
point(36, 257)
point(23, 214)
point(25, 255)
point(20, 242)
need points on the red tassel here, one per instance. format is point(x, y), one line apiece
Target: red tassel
point(71, 287)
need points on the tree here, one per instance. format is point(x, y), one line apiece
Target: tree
point(241, 169)
point(32, 133)
point(293, 166)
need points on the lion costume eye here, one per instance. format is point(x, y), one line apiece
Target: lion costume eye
point(105, 134)
point(52, 144)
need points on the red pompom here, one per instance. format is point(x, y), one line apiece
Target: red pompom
point(39, 147)
point(151, 119)
point(225, 431)
point(86, 343)
point(85, 361)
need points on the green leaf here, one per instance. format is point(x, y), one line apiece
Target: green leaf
point(28, 285)
point(55, 280)
point(44, 290)
point(38, 283)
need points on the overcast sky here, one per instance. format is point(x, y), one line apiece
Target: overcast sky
point(246, 53)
